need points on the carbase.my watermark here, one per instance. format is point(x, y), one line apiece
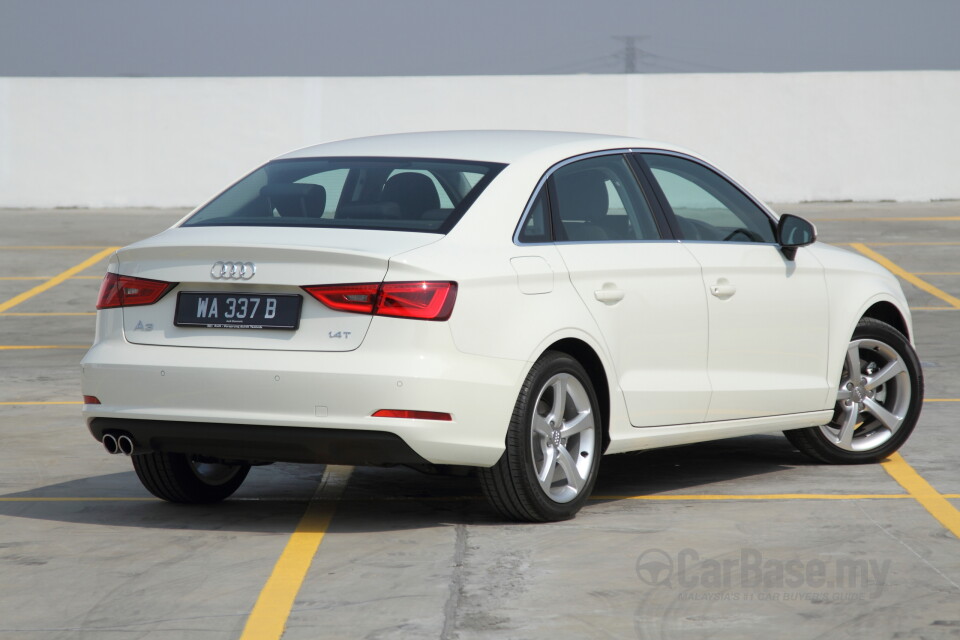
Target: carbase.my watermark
point(830, 578)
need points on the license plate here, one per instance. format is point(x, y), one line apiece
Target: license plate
point(237, 310)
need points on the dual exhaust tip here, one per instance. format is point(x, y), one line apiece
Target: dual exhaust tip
point(118, 443)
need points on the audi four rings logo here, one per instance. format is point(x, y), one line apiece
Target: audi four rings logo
point(233, 270)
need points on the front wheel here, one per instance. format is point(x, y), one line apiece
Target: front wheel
point(878, 402)
point(553, 445)
point(185, 478)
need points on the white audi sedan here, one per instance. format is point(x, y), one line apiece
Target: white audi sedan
point(516, 302)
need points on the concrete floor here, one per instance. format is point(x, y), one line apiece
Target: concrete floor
point(662, 552)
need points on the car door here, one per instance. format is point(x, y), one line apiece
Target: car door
point(645, 293)
point(768, 314)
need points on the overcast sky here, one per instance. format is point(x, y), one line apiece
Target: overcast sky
point(460, 37)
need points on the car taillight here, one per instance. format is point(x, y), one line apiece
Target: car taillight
point(355, 298)
point(126, 291)
point(420, 300)
point(417, 300)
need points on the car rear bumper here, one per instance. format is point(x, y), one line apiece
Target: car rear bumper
point(260, 443)
point(307, 391)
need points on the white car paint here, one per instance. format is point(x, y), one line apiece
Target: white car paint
point(768, 335)
point(680, 364)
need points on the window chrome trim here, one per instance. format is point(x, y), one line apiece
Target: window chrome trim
point(610, 152)
point(540, 185)
point(746, 193)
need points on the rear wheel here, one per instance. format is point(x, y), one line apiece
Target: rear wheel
point(553, 445)
point(184, 478)
point(878, 403)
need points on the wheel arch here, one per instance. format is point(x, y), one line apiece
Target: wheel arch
point(889, 313)
point(884, 308)
point(590, 360)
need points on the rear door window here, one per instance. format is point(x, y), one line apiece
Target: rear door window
point(537, 226)
point(599, 200)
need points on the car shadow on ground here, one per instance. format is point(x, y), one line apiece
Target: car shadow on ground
point(275, 497)
point(698, 466)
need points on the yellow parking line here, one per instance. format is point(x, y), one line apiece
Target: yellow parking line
point(923, 492)
point(34, 404)
point(906, 275)
point(941, 399)
point(932, 309)
point(57, 279)
point(269, 615)
point(909, 244)
point(15, 347)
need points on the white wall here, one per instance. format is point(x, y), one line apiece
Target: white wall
point(175, 141)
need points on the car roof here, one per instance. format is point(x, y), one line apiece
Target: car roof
point(479, 145)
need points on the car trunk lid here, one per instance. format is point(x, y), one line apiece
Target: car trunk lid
point(230, 278)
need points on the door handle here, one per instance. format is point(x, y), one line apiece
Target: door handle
point(723, 289)
point(608, 296)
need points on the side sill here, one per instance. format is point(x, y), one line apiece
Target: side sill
point(652, 437)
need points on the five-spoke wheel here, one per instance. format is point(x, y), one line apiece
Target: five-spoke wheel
point(553, 445)
point(562, 442)
point(878, 402)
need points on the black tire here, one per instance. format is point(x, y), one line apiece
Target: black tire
point(880, 415)
point(182, 478)
point(536, 440)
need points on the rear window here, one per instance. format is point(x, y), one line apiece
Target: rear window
point(395, 194)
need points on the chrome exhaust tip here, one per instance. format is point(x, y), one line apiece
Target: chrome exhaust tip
point(110, 443)
point(125, 445)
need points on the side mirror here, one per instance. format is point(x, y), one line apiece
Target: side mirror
point(794, 232)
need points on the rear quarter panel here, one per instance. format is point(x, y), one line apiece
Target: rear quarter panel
point(496, 315)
